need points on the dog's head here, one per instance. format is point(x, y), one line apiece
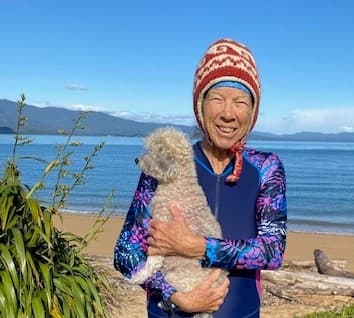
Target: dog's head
point(168, 155)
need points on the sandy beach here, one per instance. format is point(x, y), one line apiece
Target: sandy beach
point(300, 246)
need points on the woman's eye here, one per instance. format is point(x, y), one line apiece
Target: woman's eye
point(242, 104)
point(215, 99)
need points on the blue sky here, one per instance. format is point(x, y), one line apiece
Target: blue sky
point(136, 59)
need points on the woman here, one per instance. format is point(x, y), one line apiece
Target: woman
point(245, 189)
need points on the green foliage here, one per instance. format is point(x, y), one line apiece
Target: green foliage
point(346, 312)
point(43, 272)
point(21, 121)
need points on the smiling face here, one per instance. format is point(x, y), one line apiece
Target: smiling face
point(227, 116)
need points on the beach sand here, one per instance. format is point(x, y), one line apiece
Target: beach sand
point(300, 246)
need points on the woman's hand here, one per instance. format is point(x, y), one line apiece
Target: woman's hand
point(174, 237)
point(205, 297)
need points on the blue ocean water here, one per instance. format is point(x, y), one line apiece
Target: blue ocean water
point(320, 177)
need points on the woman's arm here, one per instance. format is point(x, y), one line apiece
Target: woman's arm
point(267, 249)
point(130, 252)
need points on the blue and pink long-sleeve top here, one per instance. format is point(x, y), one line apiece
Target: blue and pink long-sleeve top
point(252, 214)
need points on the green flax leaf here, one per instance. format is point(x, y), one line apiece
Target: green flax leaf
point(9, 264)
point(37, 307)
point(20, 251)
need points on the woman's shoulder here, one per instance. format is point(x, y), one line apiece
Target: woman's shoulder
point(261, 158)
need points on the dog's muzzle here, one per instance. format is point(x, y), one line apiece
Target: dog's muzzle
point(136, 160)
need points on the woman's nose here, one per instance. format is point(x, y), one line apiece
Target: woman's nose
point(227, 111)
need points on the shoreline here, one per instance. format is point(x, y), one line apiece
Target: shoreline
point(293, 226)
point(300, 245)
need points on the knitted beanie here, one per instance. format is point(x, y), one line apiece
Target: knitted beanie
point(227, 60)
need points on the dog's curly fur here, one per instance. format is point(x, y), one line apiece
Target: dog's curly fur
point(169, 158)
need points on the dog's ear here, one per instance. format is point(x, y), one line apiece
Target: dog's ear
point(165, 167)
point(164, 162)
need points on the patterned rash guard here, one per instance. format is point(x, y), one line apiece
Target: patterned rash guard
point(252, 214)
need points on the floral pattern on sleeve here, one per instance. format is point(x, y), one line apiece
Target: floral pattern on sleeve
point(266, 250)
point(130, 252)
point(157, 285)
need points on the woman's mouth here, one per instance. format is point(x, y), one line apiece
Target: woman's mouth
point(226, 130)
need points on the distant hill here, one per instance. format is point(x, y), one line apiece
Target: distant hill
point(49, 120)
point(6, 130)
point(305, 136)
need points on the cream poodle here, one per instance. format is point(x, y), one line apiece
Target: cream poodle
point(169, 159)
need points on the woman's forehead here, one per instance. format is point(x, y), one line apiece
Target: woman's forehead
point(228, 92)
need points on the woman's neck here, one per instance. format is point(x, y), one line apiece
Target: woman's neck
point(218, 158)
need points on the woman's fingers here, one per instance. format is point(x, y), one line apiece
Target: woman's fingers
point(212, 277)
point(210, 294)
point(177, 214)
point(207, 296)
point(175, 237)
point(217, 292)
point(169, 236)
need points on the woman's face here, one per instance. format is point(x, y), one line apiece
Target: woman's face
point(227, 114)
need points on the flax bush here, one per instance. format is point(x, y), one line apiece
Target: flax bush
point(43, 272)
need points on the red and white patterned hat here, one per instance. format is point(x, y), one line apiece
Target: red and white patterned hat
point(227, 60)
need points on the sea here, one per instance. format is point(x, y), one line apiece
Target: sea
point(320, 177)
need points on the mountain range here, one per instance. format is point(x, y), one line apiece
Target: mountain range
point(49, 120)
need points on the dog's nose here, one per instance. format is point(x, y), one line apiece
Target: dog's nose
point(136, 160)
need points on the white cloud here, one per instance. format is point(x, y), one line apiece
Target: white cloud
point(82, 107)
point(78, 107)
point(41, 104)
point(327, 120)
point(76, 87)
point(156, 118)
point(348, 128)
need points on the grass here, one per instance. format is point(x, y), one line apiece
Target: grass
point(346, 312)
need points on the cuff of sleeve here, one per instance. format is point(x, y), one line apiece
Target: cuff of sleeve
point(167, 293)
point(210, 251)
